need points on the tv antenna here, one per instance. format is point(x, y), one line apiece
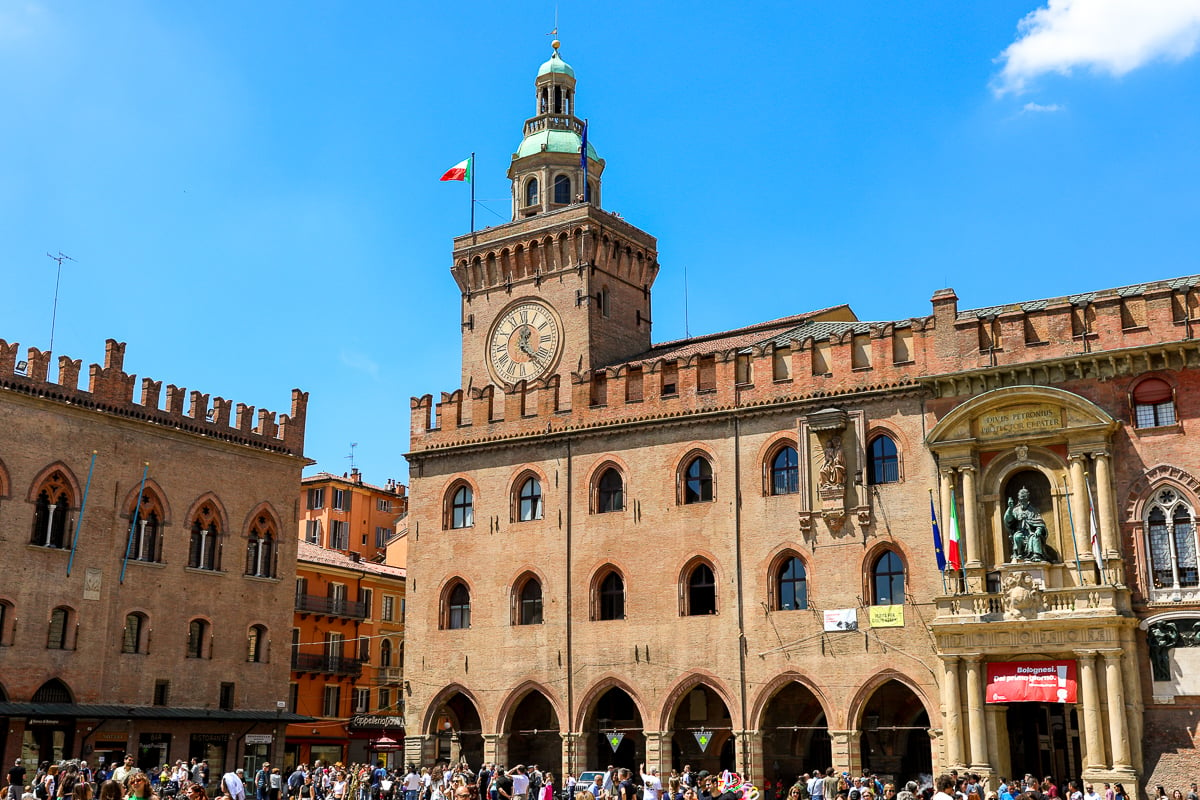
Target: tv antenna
point(61, 257)
point(351, 456)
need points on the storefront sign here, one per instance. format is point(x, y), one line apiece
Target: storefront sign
point(110, 737)
point(841, 619)
point(376, 721)
point(1031, 682)
point(44, 722)
point(211, 738)
point(259, 738)
point(1015, 420)
point(887, 616)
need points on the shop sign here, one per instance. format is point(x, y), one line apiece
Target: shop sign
point(1022, 419)
point(841, 619)
point(259, 738)
point(44, 722)
point(887, 616)
point(210, 738)
point(110, 737)
point(1031, 682)
point(376, 721)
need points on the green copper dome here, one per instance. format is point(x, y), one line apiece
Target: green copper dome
point(555, 141)
point(556, 64)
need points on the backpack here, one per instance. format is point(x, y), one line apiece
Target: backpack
point(39, 791)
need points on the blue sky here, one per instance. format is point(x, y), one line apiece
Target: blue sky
point(250, 189)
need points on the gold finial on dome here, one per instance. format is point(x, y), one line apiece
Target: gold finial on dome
point(556, 44)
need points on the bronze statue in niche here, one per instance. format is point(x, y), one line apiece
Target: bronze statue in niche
point(1026, 529)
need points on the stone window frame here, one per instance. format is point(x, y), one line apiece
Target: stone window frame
point(57, 483)
point(599, 577)
point(683, 467)
point(8, 617)
point(523, 477)
point(873, 560)
point(1137, 411)
point(775, 577)
point(517, 600)
point(450, 504)
point(768, 466)
point(204, 639)
point(685, 585)
point(262, 532)
point(153, 516)
point(207, 516)
point(446, 611)
point(66, 637)
point(877, 435)
point(598, 473)
point(141, 638)
point(1179, 501)
point(258, 644)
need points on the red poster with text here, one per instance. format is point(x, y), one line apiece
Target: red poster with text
point(1031, 682)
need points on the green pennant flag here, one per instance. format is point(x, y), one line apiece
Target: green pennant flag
point(702, 739)
point(614, 740)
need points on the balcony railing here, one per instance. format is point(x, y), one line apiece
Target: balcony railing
point(390, 674)
point(330, 665)
point(331, 606)
point(558, 122)
point(1081, 601)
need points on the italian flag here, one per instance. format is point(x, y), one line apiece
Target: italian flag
point(954, 538)
point(459, 172)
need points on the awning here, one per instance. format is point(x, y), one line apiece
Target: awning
point(89, 711)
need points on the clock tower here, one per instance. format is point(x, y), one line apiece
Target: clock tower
point(565, 286)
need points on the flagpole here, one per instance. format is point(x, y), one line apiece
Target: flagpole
point(136, 510)
point(1094, 530)
point(472, 172)
point(82, 511)
point(937, 544)
point(1074, 544)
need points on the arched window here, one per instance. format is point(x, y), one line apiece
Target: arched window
point(529, 500)
point(1171, 544)
point(260, 549)
point(458, 608)
point(785, 471)
point(1153, 404)
point(198, 639)
point(602, 301)
point(52, 513)
point(59, 636)
point(531, 192)
point(558, 100)
point(462, 507)
point(610, 492)
point(204, 551)
point(612, 596)
point(562, 190)
point(256, 644)
point(385, 653)
point(544, 104)
point(135, 630)
point(6, 623)
point(701, 591)
point(144, 543)
point(698, 481)
point(883, 460)
point(529, 611)
point(887, 580)
point(792, 586)
point(52, 691)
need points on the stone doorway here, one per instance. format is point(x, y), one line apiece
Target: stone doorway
point(895, 735)
point(1043, 739)
point(533, 734)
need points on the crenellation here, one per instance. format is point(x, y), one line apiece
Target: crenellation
point(244, 419)
point(68, 372)
point(175, 398)
point(151, 390)
point(110, 385)
point(221, 410)
point(38, 367)
point(198, 408)
point(8, 358)
point(266, 423)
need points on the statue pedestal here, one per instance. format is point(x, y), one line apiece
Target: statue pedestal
point(1045, 575)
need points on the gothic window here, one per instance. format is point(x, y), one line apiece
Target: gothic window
point(529, 500)
point(462, 507)
point(531, 192)
point(144, 543)
point(204, 550)
point(59, 636)
point(887, 580)
point(458, 607)
point(883, 460)
point(135, 629)
point(52, 513)
point(785, 471)
point(256, 644)
point(260, 549)
point(562, 190)
point(1171, 544)
point(198, 639)
point(701, 591)
point(610, 492)
point(698, 481)
point(529, 604)
point(791, 586)
point(612, 596)
point(1153, 404)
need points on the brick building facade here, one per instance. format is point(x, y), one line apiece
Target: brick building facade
point(717, 551)
point(142, 538)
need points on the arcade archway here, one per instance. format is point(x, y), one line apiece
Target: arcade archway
point(895, 734)
point(614, 731)
point(795, 735)
point(533, 733)
point(458, 730)
point(702, 732)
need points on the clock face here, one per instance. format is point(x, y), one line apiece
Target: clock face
point(524, 343)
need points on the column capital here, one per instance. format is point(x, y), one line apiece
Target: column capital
point(950, 660)
point(948, 472)
point(1111, 654)
point(1100, 455)
point(1085, 654)
point(965, 468)
point(1077, 457)
point(972, 659)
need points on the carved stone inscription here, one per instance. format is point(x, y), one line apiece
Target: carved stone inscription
point(1022, 419)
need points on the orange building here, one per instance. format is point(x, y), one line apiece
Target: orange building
point(348, 633)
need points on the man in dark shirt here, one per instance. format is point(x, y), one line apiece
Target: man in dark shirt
point(625, 788)
point(504, 785)
point(16, 780)
point(714, 790)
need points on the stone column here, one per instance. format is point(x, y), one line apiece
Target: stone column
point(752, 761)
point(846, 754)
point(997, 715)
point(658, 751)
point(492, 747)
point(573, 757)
point(951, 709)
point(1118, 725)
point(976, 726)
point(1093, 742)
point(971, 519)
point(991, 716)
point(946, 484)
point(1079, 503)
point(1104, 507)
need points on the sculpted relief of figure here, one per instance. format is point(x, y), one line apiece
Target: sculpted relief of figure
point(1022, 599)
point(1026, 528)
point(833, 471)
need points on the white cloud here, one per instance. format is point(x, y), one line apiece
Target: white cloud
point(1111, 36)
point(1038, 108)
point(359, 362)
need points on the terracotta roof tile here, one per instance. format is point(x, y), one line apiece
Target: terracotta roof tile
point(313, 554)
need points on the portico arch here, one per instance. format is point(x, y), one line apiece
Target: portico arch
point(529, 719)
point(697, 713)
point(893, 721)
point(792, 716)
point(612, 727)
point(454, 722)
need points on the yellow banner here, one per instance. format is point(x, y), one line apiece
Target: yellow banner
point(887, 616)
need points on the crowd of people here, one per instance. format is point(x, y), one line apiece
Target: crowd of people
point(75, 780)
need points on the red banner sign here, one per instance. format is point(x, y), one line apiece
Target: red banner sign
point(1031, 682)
